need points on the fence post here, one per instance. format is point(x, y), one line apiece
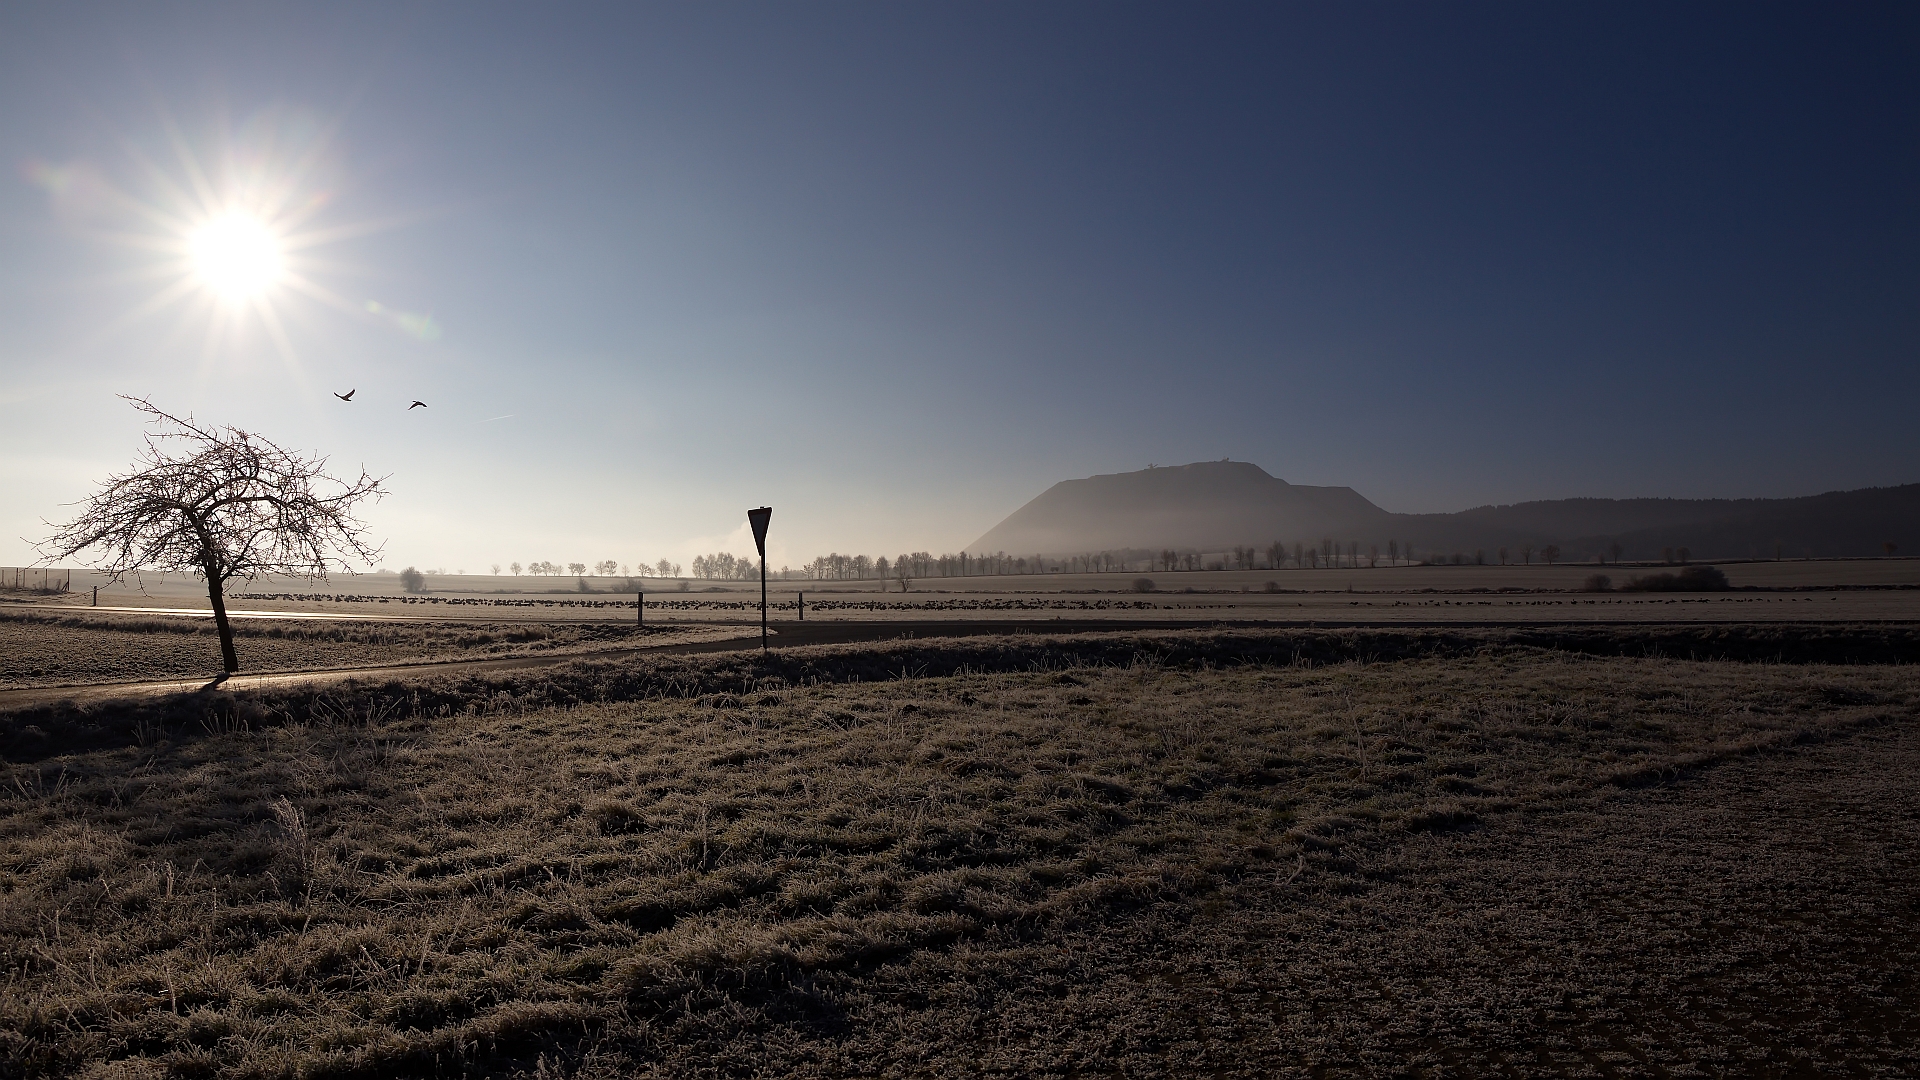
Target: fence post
point(640, 605)
point(803, 606)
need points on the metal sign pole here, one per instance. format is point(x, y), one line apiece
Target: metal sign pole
point(758, 518)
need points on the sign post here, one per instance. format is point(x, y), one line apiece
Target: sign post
point(758, 519)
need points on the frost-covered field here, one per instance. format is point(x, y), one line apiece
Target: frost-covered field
point(1235, 854)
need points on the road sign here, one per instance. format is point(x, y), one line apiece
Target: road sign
point(758, 519)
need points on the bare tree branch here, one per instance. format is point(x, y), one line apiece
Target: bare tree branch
point(222, 503)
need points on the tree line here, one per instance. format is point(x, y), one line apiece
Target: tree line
point(665, 568)
point(1324, 554)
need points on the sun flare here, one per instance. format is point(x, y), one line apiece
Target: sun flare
point(236, 256)
point(232, 228)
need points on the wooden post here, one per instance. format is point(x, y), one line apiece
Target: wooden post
point(96, 596)
point(640, 605)
point(803, 607)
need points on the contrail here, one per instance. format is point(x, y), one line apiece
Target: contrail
point(491, 419)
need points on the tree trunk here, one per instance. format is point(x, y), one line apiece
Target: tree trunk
point(218, 597)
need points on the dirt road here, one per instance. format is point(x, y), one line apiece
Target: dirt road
point(786, 635)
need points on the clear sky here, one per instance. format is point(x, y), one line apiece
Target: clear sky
point(896, 268)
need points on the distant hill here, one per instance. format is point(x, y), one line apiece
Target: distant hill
point(1206, 505)
point(1217, 505)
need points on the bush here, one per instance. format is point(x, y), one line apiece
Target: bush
point(1597, 583)
point(1143, 584)
point(413, 580)
point(1692, 579)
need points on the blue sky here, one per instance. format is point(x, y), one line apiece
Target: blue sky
point(895, 269)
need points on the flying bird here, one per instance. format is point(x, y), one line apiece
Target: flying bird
point(416, 405)
point(348, 396)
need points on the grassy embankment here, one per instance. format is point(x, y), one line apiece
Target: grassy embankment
point(843, 858)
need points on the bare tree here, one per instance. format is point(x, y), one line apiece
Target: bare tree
point(515, 567)
point(903, 571)
point(1614, 551)
point(1550, 553)
point(222, 503)
point(496, 569)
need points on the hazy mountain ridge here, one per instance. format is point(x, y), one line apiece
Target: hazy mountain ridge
point(1216, 505)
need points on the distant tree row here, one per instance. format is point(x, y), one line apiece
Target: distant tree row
point(603, 568)
point(1327, 553)
point(923, 564)
point(548, 569)
point(1278, 555)
point(725, 567)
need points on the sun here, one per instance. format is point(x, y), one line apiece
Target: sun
point(237, 257)
point(231, 227)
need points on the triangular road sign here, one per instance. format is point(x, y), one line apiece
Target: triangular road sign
point(759, 519)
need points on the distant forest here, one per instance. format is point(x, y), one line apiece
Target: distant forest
point(1299, 555)
point(921, 565)
point(1323, 554)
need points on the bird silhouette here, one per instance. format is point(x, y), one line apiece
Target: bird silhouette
point(416, 405)
point(348, 396)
